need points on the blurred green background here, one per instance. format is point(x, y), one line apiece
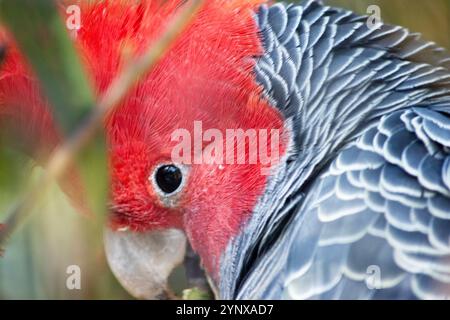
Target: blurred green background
point(55, 237)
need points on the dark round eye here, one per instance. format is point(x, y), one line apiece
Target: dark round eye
point(168, 178)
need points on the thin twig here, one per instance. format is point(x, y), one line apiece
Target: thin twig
point(116, 92)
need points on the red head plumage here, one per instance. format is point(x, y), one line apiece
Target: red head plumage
point(206, 76)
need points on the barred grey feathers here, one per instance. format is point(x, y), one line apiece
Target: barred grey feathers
point(366, 185)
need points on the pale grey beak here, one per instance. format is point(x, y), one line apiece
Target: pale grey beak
point(143, 262)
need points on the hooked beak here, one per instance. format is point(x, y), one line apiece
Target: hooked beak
point(143, 261)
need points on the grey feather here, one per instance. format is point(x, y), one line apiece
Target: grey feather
point(367, 179)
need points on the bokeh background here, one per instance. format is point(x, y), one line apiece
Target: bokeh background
point(36, 259)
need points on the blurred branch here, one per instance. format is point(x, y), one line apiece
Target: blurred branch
point(116, 92)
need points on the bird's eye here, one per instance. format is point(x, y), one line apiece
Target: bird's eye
point(168, 178)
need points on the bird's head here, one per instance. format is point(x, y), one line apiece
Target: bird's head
point(192, 145)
